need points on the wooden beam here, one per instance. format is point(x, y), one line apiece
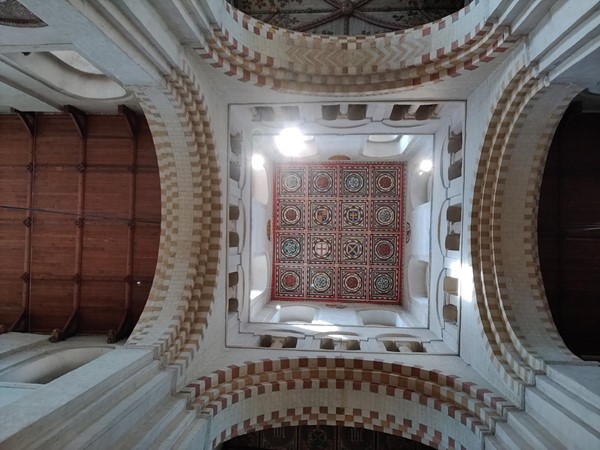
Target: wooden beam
point(124, 329)
point(71, 327)
point(78, 118)
point(68, 330)
point(28, 222)
point(132, 119)
point(28, 119)
point(125, 325)
point(22, 322)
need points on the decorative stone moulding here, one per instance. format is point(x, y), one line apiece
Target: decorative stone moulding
point(521, 126)
point(264, 55)
point(185, 280)
point(231, 393)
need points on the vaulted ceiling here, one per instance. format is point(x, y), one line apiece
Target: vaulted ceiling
point(348, 17)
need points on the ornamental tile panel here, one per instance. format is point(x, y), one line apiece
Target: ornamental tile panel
point(338, 232)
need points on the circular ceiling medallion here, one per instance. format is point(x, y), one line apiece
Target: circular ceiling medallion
point(352, 282)
point(322, 182)
point(291, 182)
point(321, 282)
point(290, 281)
point(385, 216)
point(354, 182)
point(384, 249)
point(291, 215)
point(385, 182)
point(383, 283)
point(290, 248)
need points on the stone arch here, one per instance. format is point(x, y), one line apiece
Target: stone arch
point(279, 392)
point(519, 330)
point(179, 305)
point(293, 61)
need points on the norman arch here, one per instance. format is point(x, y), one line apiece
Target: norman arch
point(519, 328)
point(305, 390)
point(180, 301)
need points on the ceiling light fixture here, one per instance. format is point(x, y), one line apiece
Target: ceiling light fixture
point(291, 142)
point(425, 166)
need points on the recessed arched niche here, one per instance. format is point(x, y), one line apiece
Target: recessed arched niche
point(386, 145)
point(44, 368)
point(259, 269)
point(419, 188)
point(64, 77)
point(378, 317)
point(260, 186)
point(417, 278)
point(76, 61)
point(297, 314)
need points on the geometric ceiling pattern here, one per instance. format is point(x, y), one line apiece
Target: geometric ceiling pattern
point(347, 17)
point(13, 13)
point(338, 232)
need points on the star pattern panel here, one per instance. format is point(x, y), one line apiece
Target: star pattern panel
point(338, 232)
point(348, 17)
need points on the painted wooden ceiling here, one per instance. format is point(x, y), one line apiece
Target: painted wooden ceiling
point(79, 222)
point(348, 17)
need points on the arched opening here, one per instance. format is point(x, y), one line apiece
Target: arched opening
point(79, 222)
point(313, 437)
point(259, 275)
point(335, 18)
point(68, 74)
point(569, 226)
point(295, 394)
point(48, 366)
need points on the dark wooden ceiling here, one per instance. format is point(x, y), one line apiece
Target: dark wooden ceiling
point(348, 17)
point(321, 437)
point(79, 222)
point(569, 227)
